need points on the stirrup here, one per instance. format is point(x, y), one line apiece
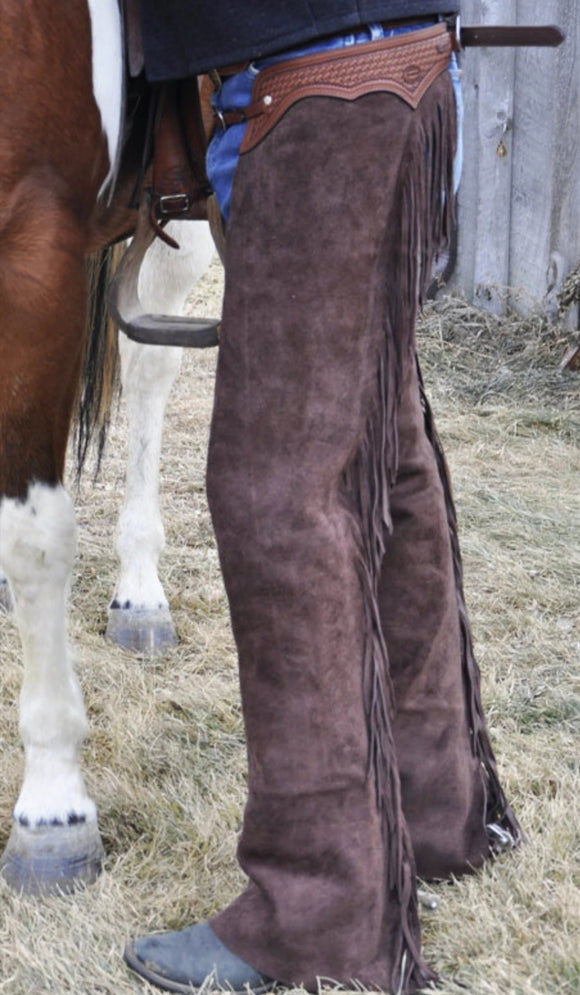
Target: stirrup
point(128, 312)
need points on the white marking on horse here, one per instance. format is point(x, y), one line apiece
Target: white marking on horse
point(148, 373)
point(37, 550)
point(108, 72)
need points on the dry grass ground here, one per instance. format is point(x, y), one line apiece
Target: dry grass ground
point(165, 758)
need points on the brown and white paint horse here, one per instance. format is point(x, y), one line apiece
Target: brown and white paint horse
point(61, 84)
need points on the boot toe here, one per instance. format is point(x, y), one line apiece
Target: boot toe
point(191, 959)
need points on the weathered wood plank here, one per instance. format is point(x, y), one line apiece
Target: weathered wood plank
point(489, 143)
point(532, 171)
point(519, 204)
point(565, 219)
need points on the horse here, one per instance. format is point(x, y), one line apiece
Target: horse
point(65, 193)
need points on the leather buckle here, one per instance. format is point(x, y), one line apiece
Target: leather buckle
point(173, 203)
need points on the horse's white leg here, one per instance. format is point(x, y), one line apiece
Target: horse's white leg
point(139, 615)
point(55, 841)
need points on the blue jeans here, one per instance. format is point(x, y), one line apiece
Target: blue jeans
point(224, 149)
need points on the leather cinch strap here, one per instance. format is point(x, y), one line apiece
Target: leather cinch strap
point(405, 65)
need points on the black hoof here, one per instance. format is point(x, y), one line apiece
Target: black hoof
point(150, 632)
point(49, 860)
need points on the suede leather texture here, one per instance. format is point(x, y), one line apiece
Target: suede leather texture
point(315, 238)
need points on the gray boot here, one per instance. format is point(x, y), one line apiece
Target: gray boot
point(191, 959)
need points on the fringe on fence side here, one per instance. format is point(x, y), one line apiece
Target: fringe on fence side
point(499, 811)
point(419, 227)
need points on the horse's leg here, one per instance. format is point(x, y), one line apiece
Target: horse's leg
point(53, 161)
point(55, 840)
point(139, 616)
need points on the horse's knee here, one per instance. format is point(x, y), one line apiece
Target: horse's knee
point(37, 540)
point(148, 368)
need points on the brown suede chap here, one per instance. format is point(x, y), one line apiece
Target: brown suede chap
point(332, 527)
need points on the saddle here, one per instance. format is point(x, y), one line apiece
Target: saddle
point(179, 127)
point(172, 185)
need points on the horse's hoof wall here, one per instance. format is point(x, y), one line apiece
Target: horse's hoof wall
point(146, 631)
point(50, 860)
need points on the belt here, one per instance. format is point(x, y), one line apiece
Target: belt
point(501, 35)
point(405, 65)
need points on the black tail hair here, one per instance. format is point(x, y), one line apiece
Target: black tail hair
point(100, 381)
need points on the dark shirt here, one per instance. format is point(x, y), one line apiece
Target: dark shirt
point(184, 37)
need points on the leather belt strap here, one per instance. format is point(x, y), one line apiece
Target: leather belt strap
point(547, 35)
point(406, 65)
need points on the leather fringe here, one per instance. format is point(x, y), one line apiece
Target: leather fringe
point(419, 228)
point(498, 809)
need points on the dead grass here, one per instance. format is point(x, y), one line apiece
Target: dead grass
point(166, 758)
point(510, 422)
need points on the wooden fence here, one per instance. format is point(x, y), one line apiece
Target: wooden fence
point(519, 202)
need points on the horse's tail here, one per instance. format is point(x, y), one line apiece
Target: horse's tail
point(100, 380)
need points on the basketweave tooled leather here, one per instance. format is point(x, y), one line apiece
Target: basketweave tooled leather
point(405, 65)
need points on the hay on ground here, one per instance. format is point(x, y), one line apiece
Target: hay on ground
point(166, 758)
